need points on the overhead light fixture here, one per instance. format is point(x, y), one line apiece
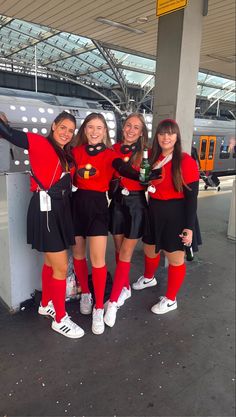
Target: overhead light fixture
point(142, 19)
point(119, 25)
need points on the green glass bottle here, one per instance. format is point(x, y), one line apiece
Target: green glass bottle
point(188, 251)
point(145, 168)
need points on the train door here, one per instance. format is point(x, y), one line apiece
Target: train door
point(207, 148)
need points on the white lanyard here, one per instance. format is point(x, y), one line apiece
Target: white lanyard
point(152, 189)
point(164, 161)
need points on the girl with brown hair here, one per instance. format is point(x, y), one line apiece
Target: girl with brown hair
point(171, 212)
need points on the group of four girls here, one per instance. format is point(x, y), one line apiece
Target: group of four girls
point(56, 220)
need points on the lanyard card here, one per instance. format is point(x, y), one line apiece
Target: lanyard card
point(45, 201)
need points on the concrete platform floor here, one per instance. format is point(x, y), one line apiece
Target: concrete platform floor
point(179, 364)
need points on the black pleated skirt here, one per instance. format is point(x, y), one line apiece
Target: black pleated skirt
point(50, 231)
point(127, 214)
point(164, 223)
point(90, 213)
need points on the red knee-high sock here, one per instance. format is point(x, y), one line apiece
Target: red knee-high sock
point(58, 297)
point(117, 257)
point(81, 271)
point(176, 276)
point(120, 278)
point(99, 277)
point(46, 285)
point(151, 264)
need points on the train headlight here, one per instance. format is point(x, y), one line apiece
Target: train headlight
point(112, 133)
point(110, 116)
point(111, 125)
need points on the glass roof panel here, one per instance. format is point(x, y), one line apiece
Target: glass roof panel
point(77, 56)
point(135, 78)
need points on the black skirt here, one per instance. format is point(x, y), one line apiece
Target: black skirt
point(164, 223)
point(50, 231)
point(127, 214)
point(90, 213)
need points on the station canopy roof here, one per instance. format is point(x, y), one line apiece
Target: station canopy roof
point(26, 47)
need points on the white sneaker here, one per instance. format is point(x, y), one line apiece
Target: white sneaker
point(98, 326)
point(110, 315)
point(48, 310)
point(86, 303)
point(124, 295)
point(164, 306)
point(143, 282)
point(68, 328)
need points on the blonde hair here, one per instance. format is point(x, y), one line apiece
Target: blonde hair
point(81, 137)
point(137, 157)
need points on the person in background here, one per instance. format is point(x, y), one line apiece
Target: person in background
point(49, 221)
point(93, 155)
point(171, 213)
point(127, 209)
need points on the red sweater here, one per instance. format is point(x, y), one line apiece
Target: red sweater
point(94, 172)
point(44, 162)
point(164, 186)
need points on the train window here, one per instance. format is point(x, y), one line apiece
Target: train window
point(234, 152)
point(224, 152)
point(203, 150)
point(211, 149)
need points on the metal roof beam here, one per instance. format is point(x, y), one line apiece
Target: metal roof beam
point(106, 53)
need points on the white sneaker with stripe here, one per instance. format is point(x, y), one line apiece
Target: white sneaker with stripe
point(143, 282)
point(47, 310)
point(164, 306)
point(68, 328)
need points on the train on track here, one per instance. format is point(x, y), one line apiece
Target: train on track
point(214, 140)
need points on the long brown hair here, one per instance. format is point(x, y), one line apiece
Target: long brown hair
point(64, 155)
point(143, 139)
point(81, 138)
point(169, 126)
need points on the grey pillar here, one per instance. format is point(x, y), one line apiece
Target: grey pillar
point(178, 52)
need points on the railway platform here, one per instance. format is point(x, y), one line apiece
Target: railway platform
point(179, 364)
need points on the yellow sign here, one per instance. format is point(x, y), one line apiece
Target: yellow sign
point(169, 6)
